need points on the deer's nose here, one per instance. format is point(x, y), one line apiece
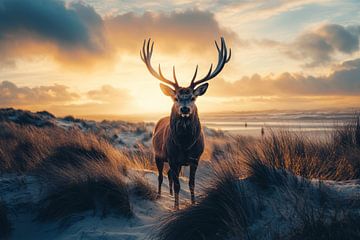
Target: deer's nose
point(185, 110)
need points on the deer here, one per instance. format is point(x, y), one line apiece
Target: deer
point(178, 139)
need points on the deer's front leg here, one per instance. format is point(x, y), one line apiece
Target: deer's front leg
point(175, 177)
point(160, 166)
point(193, 168)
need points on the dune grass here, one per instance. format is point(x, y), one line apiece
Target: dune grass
point(141, 188)
point(251, 178)
point(226, 209)
point(94, 186)
point(341, 225)
point(81, 172)
point(28, 148)
point(337, 158)
point(5, 224)
point(85, 173)
point(261, 206)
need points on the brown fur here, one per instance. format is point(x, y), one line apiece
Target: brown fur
point(180, 142)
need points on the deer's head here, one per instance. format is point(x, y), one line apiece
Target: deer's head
point(184, 97)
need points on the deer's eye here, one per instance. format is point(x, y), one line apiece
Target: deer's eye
point(176, 99)
point(193, 99)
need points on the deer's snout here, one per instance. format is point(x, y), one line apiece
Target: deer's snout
point(185, 110)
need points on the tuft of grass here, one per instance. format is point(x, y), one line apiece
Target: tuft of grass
point(5, 224)
point(315, 225)
point(75, 154)
point(23, 147)
point(337, 158)
point(142, 188)
point(82, 172)
point(96, 187)
point(32, 149)
point(263, 174)
point(234, 208)
point(139, 158)
point(227, 209)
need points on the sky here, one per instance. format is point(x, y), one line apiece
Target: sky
point(82, 57)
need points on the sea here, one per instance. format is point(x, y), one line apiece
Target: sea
point(312, 123)
point(317, 123)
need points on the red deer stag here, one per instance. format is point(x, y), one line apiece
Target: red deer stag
point(178, 139)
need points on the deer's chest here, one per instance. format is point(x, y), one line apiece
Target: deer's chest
point(186, 150)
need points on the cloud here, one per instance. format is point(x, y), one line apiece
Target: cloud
point(319, 46)
point(63, 101)
point(74, 34)
point(344, 81)
point(260, 9)
point(49, 20)
point(105, 100)
point(48, 27)
point(12, 95)
point(191, 30)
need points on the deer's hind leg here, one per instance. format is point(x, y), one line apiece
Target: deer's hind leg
point(160, 167)
point(170, 182)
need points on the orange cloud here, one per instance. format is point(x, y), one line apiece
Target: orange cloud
point(61, 100)
point(12, 95)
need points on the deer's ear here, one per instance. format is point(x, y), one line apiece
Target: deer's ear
point(167, 90)
point(201, 90)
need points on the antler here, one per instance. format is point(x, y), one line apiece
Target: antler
point(145, 55)
point(223, 58)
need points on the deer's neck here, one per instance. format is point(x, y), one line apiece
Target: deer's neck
point(185, 131)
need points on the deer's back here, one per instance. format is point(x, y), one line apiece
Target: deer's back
point(160, 136)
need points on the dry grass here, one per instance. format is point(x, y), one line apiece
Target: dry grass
point(94, 186)
point(232, 208)
point(82, 172)
point(337, 158)
point(226, 209)
point(139, 158)
point(28, 148)
point(141, 188)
